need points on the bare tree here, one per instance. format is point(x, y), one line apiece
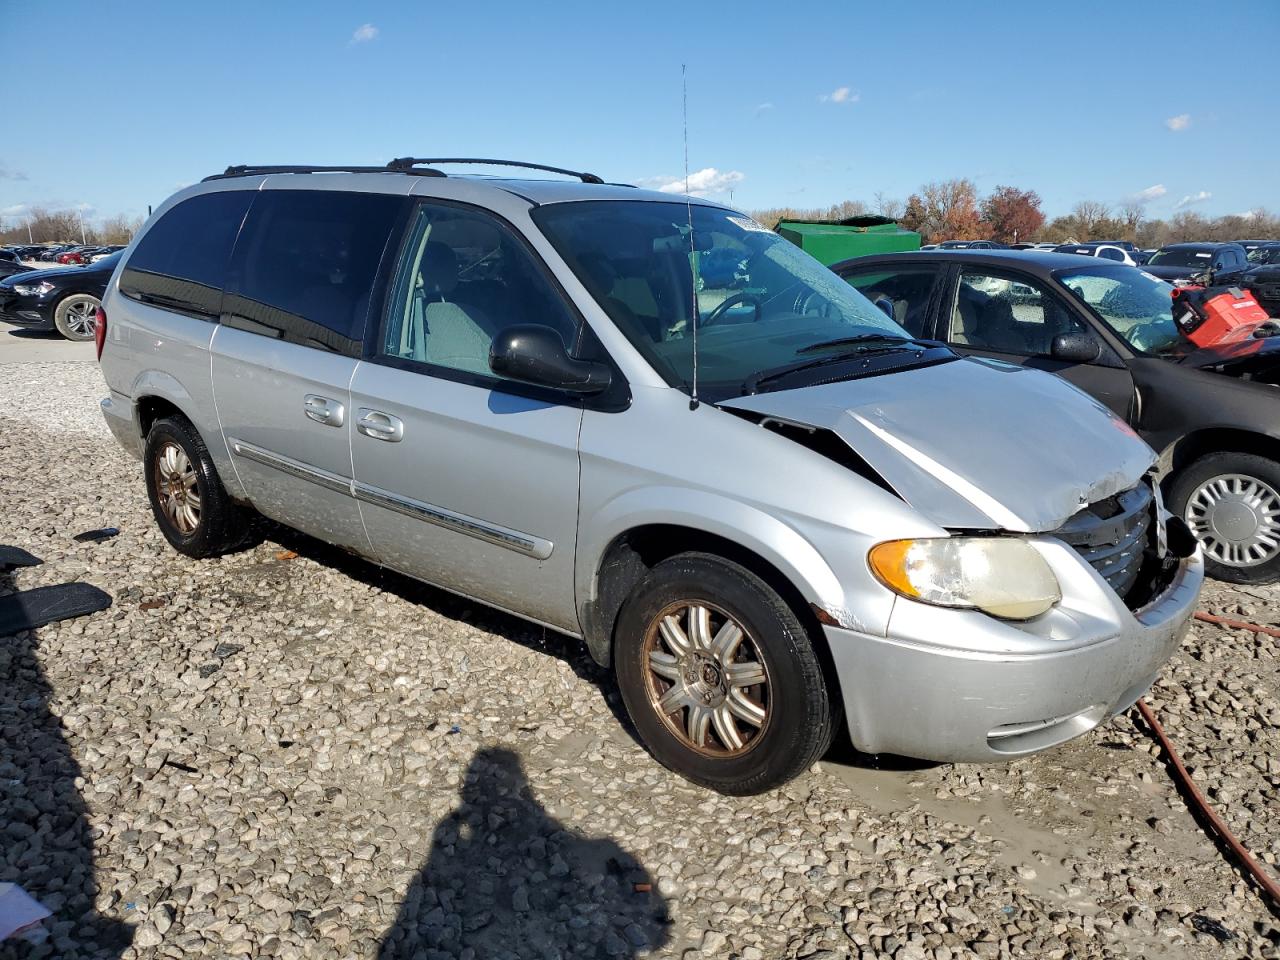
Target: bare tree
point(888, 206)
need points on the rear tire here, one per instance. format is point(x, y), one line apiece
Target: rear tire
point(74, 316)
point(732, 698)
point(188, 500)
point(1229, 500)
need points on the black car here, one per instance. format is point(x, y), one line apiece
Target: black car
point(1179, 261)
point(1267, 252)
point(9, 267)
point(1262, 278)
point(971, 245)
point(65, 299)
point(1212, 414)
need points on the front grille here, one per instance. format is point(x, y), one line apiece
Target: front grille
point(1113, 536)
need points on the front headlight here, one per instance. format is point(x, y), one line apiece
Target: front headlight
point(33, 289)
point(1002, 576)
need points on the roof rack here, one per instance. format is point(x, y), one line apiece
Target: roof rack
point(407, 165)
point(253, 170)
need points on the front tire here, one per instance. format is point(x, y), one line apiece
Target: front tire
point(1231, 502)
point(720, 676)
point(190, 504)
point(75, 316)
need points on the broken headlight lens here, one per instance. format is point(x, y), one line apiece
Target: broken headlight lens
point(1003, 576)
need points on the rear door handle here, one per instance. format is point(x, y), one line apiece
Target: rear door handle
point(380, 426)
point(323, 410)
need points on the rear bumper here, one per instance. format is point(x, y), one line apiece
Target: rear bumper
point(117, 410)
point(906, 695)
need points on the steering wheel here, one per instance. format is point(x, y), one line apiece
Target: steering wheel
point(728, 302)
point(805, 300)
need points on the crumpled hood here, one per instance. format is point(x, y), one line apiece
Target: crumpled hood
point(975, 443)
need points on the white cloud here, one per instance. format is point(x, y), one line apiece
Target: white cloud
point(1180, 122)
point(364, 33)
point(763, 107)
point(1153, 192)
point(702, 182)
point(1192, 198)
point(8, 173)
point(841, 95)
point(1248, 214)
point(17, 210)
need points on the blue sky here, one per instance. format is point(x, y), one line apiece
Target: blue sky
point(790, 104)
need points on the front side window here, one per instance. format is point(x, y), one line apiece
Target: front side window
point(464, 279)
point(1007, 315)
point(181, 261)
point(1136, 305)
point(307, 261)
point(759, 303)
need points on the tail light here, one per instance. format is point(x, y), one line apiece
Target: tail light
point(100, 330)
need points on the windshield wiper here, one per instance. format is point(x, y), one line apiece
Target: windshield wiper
point(866, 338)
point(753, 383)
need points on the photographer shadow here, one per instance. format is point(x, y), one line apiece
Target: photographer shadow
point(46, 846)
point(506, 879)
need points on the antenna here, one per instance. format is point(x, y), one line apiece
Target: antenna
point(688, 204)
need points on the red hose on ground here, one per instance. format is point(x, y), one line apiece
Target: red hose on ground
point(1237, 624)
point(1259, 873)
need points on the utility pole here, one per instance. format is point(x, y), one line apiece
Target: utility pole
point(30, 238)
point(80, 214)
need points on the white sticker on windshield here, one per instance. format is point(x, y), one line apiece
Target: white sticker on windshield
point(1204, 256)
point(746, 223)
point(1150, 276)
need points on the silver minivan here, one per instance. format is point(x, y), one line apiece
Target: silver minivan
point(651, 423)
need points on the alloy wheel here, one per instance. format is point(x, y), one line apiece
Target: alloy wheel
point(81, 313)
point(706, 679)
point(1236, 518)
point(178, 488)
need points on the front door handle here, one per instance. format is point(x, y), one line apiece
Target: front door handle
point(380, 426)
point(323, 410)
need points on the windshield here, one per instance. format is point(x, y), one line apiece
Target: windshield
point(1267, 254)
point(1181, 258)
point(1136, 305)
point(761, 302)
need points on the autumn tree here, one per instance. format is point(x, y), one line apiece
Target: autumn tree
point(1012, 214)
point(945, 210)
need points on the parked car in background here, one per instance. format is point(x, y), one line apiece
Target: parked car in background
point(10, 267)
point(1212, 414)
point(1179, 261)
point(1262, 277)
point(106, 251)
point(49, 254)
point(971, 245)
point(1107, 251)
point(489, 384)
point(65, 300)
point(10, 255)
point(73, 257)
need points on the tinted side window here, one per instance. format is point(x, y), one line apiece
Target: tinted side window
point(306, 263)
point(463, 280)
point(181, 262)
point(906, 288)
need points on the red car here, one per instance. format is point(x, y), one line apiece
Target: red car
point(73, 256)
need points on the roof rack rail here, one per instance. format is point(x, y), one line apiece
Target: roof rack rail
point(407, 165)
point(254, 170)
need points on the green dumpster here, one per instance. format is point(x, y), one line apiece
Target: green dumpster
point(831, 241)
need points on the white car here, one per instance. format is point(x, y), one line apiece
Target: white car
point(1107, 251)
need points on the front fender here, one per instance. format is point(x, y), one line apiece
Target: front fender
point(777, 542)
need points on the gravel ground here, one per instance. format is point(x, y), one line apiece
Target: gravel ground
point(271, 755)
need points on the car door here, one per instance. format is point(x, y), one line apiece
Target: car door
point(1012, 316)
point(465, 479)
point(290, 337)
point(909, 288)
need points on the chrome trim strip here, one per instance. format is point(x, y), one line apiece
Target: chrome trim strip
point(524, 543)
point(295, 468)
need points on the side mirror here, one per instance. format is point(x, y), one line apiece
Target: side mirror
point(886, 305)
point(1076, 348)
point(536, 354)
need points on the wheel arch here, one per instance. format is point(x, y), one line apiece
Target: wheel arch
point(1189, 448)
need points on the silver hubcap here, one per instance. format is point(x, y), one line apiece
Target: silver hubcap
point(80, 315)
point(1236, 519)
point(706, 679)
point(177, 488)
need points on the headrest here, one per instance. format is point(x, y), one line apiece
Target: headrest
point(439, 269)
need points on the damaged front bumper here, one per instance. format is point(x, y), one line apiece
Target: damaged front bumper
point(960, 686)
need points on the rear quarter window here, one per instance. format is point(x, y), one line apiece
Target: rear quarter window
point(181, 262)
